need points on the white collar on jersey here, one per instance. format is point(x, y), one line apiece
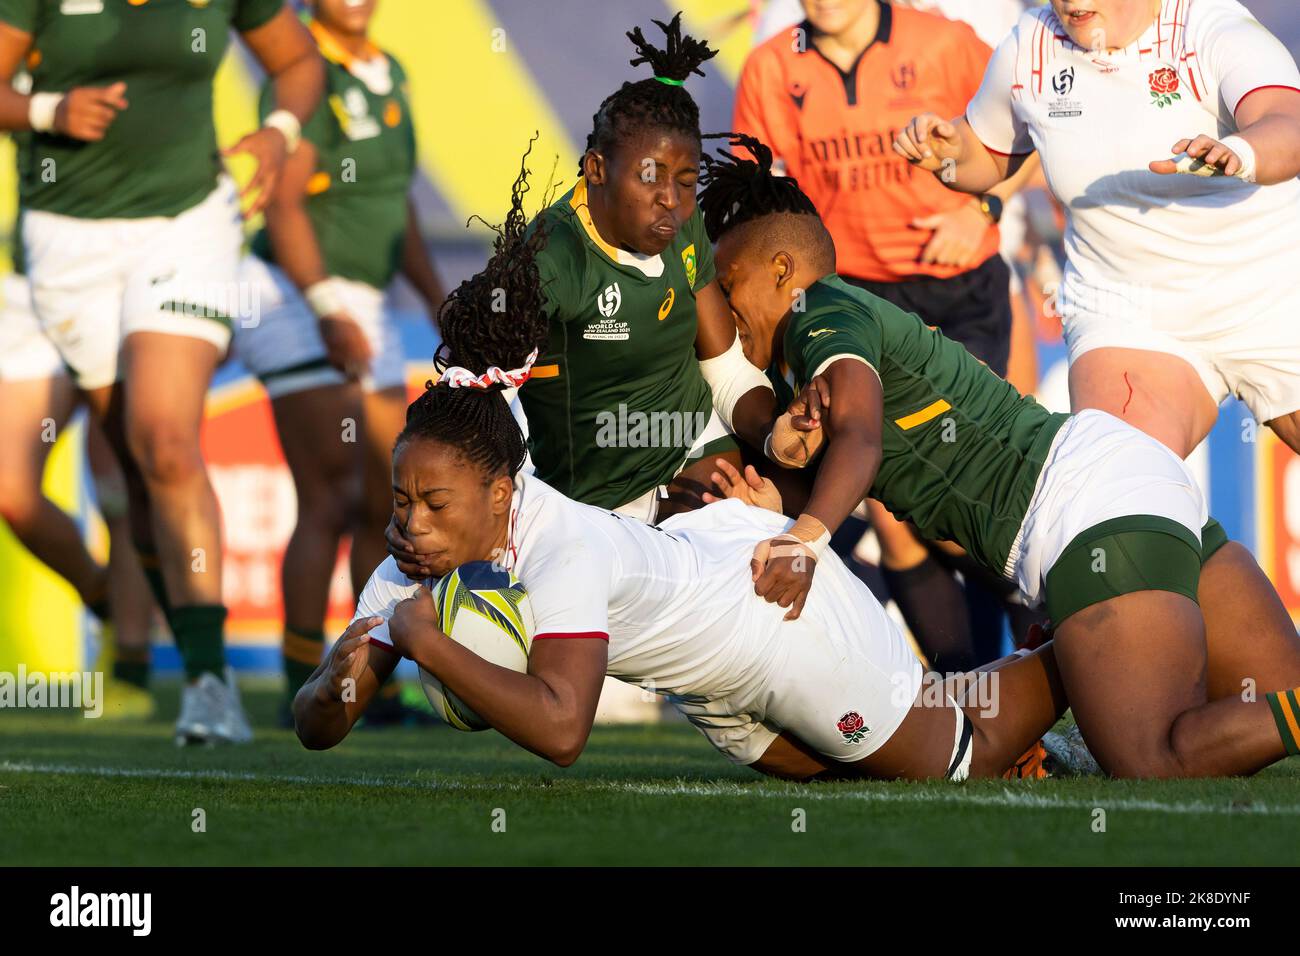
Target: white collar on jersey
point(373, 69)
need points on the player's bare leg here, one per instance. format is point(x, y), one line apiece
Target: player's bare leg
point(383, 417)
point(1134, 668)
point(1154, 392)
point(32, 414)
point(166, 380)
point(1287, 428)
point(323, 464)
point(1252, 641)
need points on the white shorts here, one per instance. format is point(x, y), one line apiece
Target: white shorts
point(1098, 468)
point(840, 679)
point(1258, 362)
point(95, 281)
point(646, 507)
point(26, 353)
point(281, 343)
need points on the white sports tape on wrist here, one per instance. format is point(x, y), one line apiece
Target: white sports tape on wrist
point(41, 109)
point(1245, 152)
point(325, 298)
point(287, 124)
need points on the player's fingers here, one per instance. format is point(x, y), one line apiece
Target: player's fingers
point(753, 478)
point(944, 130)
point(759, 561)
point(1200, 146)
point(729, 470)
point(1165, 167)
point(798, 605)
point(116, 94)
point(1233, 165)
point(1180, 146)
point(1217, 155)
point(823, 387)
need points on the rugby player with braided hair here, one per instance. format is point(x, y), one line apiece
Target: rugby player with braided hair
point(1088, 515)
point(835, 693)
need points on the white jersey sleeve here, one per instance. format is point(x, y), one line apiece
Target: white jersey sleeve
point(568, 570)
point(1235, 52)
point(386, 588)
point(992, 113)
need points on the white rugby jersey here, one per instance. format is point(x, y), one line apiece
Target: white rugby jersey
point(1185, 254)
point(676, 603)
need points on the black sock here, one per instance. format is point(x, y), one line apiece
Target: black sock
point(934, 607)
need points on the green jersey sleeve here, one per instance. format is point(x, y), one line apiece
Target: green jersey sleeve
point(251, 14)
point(562, 266)
point(20, 14)
point(826, 332)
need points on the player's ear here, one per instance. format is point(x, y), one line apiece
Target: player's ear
point(500, 493)
point(782, 268)
point(593, 168)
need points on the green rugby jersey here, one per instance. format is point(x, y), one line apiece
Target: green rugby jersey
point(621, 353)
point(159, 156)
point(962, 448)
point(365, 162)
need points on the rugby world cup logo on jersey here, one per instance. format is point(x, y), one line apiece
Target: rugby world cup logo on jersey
point(1063, 106)
point(609, 300)
point(607, 328)
point(353, 113)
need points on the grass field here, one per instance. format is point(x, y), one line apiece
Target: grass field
point(76, 792)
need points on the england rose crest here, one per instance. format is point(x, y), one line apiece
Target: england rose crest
point(852, 727)
point(1164, 87)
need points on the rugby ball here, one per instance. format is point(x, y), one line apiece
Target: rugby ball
point(484, 609)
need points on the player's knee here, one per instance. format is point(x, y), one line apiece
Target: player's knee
point(165, 453)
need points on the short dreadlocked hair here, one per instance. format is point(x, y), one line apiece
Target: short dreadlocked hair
point(653, 103)
point(494, 318)
point(738, 191)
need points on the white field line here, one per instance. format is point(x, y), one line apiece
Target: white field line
point(956, 796)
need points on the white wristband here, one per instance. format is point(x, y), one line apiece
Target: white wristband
point(1245, 152)
point(325, 298)
point(287, 124)
point(41, 109)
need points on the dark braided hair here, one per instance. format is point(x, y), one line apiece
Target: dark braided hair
point(494, 318)
point(651, 103)
point(739, 190)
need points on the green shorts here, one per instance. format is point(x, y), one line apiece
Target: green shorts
point(1213, 537)
point(1120, 556)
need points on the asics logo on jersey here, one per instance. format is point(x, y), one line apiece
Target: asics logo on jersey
point(817, 333)
point(1063, 82)
point(609, 300)
point(667, 305)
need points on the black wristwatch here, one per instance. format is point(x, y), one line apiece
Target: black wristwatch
point(991, 206)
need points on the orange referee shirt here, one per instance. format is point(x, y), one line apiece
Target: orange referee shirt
point(834, 132)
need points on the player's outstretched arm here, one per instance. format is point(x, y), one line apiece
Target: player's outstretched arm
point(548, 710)
point(326, 707)
point(951, 150)
point(783, 567)
point(1264, 150)
point(286, 51)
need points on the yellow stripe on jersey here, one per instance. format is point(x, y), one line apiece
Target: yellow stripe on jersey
point(448, 48)
point(931, 411)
